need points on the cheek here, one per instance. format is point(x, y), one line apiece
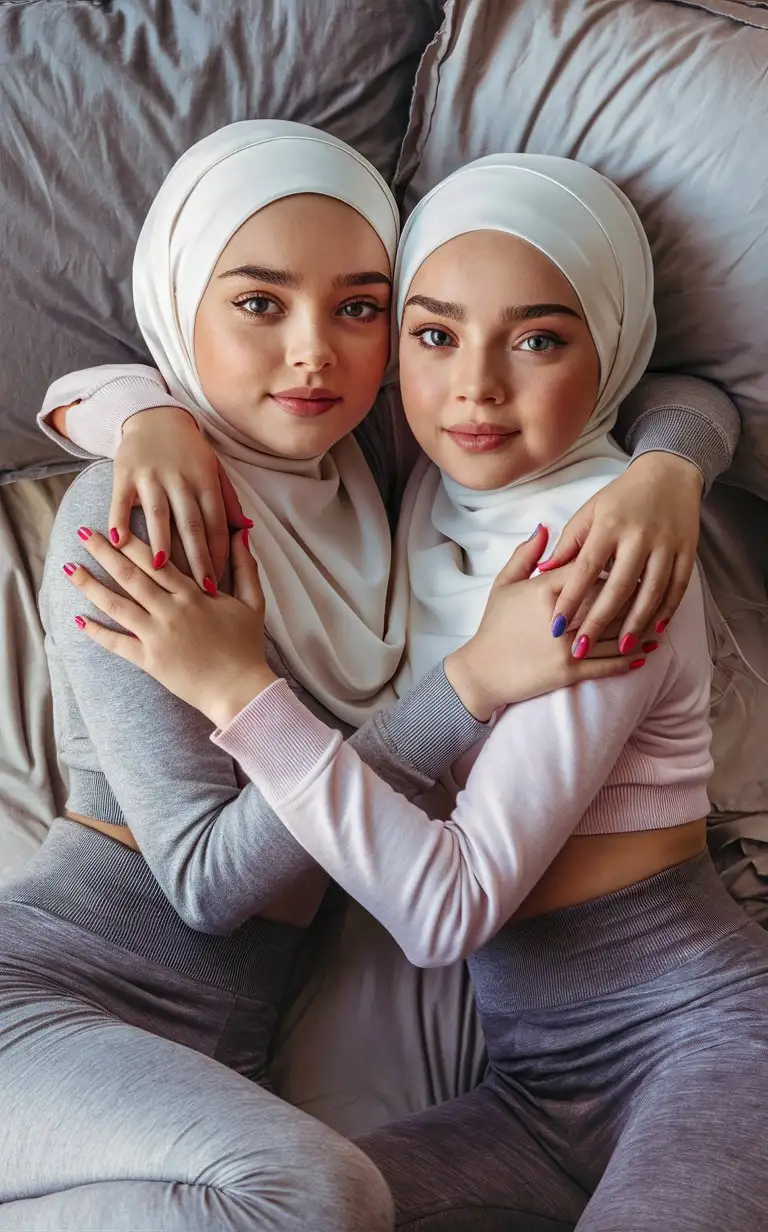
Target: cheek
point(424, 383)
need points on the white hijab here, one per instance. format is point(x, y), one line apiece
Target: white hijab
point(455, 540)
point(321, 533)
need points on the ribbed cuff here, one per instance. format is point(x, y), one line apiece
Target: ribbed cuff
point(430, 727)
point(685, 433)
point(277, 741)
point(96, 423)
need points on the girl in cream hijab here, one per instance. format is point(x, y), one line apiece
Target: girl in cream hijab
point(623, 994)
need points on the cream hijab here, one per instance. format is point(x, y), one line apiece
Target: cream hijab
point(321, 533)
point(453, 540)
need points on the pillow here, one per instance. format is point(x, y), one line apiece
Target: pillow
point(670, 100)
point(98, 100)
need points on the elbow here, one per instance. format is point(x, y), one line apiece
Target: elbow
point(437, 951)
point(204, 915)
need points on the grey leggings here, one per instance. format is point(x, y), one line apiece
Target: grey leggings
point(108, 1121)
point(628, 1078)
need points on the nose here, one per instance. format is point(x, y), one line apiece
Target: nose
point(309, 347)
point(477, 378)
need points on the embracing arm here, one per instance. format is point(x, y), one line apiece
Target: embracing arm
point(443, 887)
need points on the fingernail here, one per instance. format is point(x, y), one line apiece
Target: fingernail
point(79, 622)
point(661, 626)
point(650, 646)
point(158, 560)
point(635, 664)
point(546, 564)
point(69, 569)
point(208, 586)
point(246, 540)
point(249, 523)
point(530, 537)
point(114, 535)
point(559, 625)
point(85, 533)
point(627, 643)
point(581, 649)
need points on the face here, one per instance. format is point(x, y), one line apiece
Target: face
point(498, 370)
point(292, 333)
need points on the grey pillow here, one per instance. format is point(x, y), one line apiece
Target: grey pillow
point(668, 99)
point(97, 100)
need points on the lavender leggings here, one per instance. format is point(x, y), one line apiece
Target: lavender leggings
point(626, 1089)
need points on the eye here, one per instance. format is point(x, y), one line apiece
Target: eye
point(432, 338)
point(540, 344)
point(258, 306)
point(361, 310)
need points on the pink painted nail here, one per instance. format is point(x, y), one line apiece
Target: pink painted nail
point(69, 568)
point(661, 626)
point(85, 533)
point(79, 622)
point(649, 647)
point(581, 649)
point(635, 664)
point(208, 586)
point(627, 643)
point(114, 535)
point(158, 560)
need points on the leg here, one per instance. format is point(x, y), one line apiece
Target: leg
point(691, 1157)
point(112, 1127)
point(473, 1164)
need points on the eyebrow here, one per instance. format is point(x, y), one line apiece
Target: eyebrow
point(513, 312)
point(366, 278)
point(284, 278)
point(441, 307)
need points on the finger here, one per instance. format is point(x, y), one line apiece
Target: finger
point(678, 584)
point(232, 506)
point(246, 585)
point(583, 573)
point(217, 530)
point(621, 584)
point(607, 668)
point(190, 525)
point(124, 497)
point(136, 577)
point(571, 541)
point(154, 503)
point(122, 644)
point(124, 611)
point(648, 599)
point(524, 559)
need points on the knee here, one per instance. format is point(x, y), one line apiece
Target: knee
point(354, 1197)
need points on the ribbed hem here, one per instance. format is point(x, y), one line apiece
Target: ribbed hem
point(685, 433)
point(277, 741)
point(430, 727)
point(91, 795)
point(622, 807)
point(96, 423)
point(600, 947)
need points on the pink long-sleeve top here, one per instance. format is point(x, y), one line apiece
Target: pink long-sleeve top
point(603, 757)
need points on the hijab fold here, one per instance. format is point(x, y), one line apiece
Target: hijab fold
point(453, 540)
point(321, 533)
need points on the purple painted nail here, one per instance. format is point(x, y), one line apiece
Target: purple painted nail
point(535, 533)
point(559, 625)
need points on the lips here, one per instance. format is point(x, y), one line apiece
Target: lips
point(480, 438)
point(306, 402)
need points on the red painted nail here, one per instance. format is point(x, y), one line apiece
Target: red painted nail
point(85, 533)
point(208, 586)
point(661, 626)
point(648, 647)
point(581, 649)
point(249, 522)
point(69, 568)
point(635, 664)
point(114, 535)
point(79, 622)
point(544, 565)
point(627, 643)
point(246, 540)
point(158, 560)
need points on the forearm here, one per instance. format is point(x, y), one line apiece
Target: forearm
point(681, 415)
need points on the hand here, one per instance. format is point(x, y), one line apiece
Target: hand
point(644, 528)
point(513, 655)
point(208, 651)
point(166, 466)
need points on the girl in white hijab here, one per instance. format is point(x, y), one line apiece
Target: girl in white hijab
point(609, 963)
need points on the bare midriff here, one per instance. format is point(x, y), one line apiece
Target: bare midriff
point(121, 833)
point(591, 865)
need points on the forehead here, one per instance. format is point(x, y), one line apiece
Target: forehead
point(305, 229)
point(485, 265)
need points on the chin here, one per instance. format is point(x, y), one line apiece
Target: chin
point(484, 472)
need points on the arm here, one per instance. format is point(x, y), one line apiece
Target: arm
point(218, 852)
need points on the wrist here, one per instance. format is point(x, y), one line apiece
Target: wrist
point(161, 415)
point(661, 462)
point(233, 698)
point(463, 678)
